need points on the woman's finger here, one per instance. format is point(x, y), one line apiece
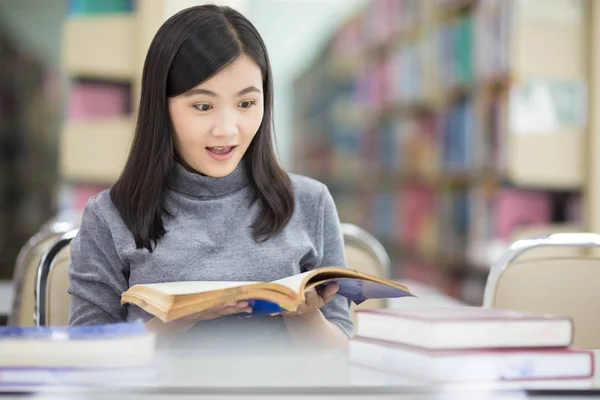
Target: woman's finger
point(330, 291)
point(310, 296)
point(235, 310)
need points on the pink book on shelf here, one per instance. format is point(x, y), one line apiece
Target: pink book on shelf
point(417, 204)
point(514, 208)
point(82, 193)
point(421, 272)
point(97, 100)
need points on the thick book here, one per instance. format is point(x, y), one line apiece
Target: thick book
point(472, 365)
point(464, 328)
point(126, 344)
point(172, 300)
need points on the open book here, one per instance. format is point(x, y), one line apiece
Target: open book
point(173, 300)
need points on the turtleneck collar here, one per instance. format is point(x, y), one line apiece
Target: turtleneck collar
point(196, 185)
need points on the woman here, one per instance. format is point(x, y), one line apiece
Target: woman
point(202, 196)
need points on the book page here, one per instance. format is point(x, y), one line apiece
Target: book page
point(190, 287)
point(354, 285)
point(294, 282)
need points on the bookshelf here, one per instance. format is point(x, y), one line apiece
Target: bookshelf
point(446, 127)
point(104, 43)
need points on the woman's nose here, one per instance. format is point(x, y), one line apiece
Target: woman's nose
point(225, 125)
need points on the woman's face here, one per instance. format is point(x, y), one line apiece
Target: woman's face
point(215, 121)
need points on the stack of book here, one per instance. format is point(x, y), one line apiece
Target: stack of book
point(468, 345)
point(112, 354)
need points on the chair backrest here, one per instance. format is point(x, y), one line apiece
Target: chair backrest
point(547, 251)
point(57, 296)
point(366, 254)
point(28, 260)
point(561, 285)
point(52, 301)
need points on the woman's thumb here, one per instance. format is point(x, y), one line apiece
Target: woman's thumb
point(330, 290)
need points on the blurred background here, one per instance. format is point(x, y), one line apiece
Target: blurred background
point(446, 128)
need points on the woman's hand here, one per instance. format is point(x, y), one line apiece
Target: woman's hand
point(183, 324)
point(308, 326)
point(220, 311)
point(314, 300)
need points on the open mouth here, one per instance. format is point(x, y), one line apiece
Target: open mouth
point(221, 152)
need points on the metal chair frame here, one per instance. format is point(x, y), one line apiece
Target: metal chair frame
point(521, 246)
point(45, 267)
point(48, 230)
point(359, 237)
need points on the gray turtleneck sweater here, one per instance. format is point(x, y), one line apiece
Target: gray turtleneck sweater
point(208, 238)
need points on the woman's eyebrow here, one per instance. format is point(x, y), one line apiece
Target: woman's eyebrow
point(206, 92)
point(196, 91)
point(249, 89)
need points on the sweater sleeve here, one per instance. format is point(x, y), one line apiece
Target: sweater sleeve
point(96, 273)
point(331, 253)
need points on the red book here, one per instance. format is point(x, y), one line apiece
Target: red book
point(464, 328)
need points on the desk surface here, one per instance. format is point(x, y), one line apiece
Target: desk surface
point(302, 375)
point(426, 296)
point(297, 375)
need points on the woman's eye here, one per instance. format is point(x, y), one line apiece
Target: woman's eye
point(203, 107)
point(247, 104)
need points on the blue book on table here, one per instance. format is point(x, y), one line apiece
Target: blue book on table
point(84, 332)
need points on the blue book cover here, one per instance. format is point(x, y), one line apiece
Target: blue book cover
point(84, 332)
point(61, 376)
point(355, 290)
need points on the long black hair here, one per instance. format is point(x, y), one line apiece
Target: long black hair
point(189, 48)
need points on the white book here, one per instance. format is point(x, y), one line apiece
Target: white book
point(464, 327)
point(472, 365)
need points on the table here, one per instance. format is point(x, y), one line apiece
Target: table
point(296, 375)
point(426, 296)
point(304, 374)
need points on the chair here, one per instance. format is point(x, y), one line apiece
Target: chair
point(28, 260)
point(52, 300)
point(566, 285)
point(366, 254)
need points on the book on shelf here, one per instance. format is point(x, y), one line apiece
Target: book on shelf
point(75, 196)
point(172, 300)
point(93, 100)
point(510, 214)
point(99, 7)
